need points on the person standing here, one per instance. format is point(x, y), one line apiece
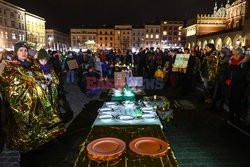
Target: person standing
point(140, 62)
point(32, 119)
point(56, 63)
point(236, 84)
point(219, 95)
point(150, 63)
point(209, 67)
point(70, 71)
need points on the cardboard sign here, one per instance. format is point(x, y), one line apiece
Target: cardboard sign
point(120, 79)
point(72, 64)
point(181, 62)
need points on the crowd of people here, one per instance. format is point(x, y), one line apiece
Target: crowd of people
point(31, 85)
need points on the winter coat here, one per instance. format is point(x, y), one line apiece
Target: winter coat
point(209, 66)
point(159, 74)
point(236, 79)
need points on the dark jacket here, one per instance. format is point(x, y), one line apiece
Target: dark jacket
point(237, 76)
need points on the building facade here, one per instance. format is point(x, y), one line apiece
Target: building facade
point(171, 34)
point(105, 38)
point(82, 36)
point(123, 38)
point(12, 25)
point(56, 40)
point(35, 27)
point(152, 35)
point(227, 26)
point(138, 37)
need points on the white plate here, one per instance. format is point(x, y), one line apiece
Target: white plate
point(148, 111)
point(111, 103)
point(106, 117)
point(125, 118)
point(147, 108)
point(106, 113)
point(105, 109)
point(148, 116)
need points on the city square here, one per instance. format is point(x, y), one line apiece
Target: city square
point(124, 83)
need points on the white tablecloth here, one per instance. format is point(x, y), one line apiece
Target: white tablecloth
point(128, 111)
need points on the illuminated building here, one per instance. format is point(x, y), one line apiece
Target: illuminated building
point(138, 37)
point(152, 35)
point(227, 26)
point(171, 34)
point(12, 25)
point(56, 40)
point(123, 37)
point(105, 38)
point(80, 36)
point(35, 27)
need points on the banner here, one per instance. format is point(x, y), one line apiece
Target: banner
point(181, 62)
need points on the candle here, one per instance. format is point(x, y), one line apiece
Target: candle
point(155, 97)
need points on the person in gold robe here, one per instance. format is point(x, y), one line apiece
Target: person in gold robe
point(33, 120)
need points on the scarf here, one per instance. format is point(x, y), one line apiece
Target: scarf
point(45, 68)
point(25, 63)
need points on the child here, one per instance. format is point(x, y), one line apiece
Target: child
point(159, 73)
point(49, 74)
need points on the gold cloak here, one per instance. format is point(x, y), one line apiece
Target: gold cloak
point(33, 118)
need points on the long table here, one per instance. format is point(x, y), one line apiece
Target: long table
point(121, 110)
point(128, 158)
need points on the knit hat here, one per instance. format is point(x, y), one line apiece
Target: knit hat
point(42, 54)
point(20, 45)
point(225, 51)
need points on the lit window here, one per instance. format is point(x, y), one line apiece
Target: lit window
point(1, 34)
point(147, 36)
point(165, 32)
point(157, 36)
point(6, 35)
point(20, 37)
point(151, 36)
point(13, 35)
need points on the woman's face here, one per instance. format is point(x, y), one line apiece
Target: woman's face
point(43, 61)
point(22, 53)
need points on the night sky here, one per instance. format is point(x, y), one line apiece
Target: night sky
point(64, 14)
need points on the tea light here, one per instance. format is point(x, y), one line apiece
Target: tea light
point(155, 97)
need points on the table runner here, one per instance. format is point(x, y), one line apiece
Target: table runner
point(128, 158)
